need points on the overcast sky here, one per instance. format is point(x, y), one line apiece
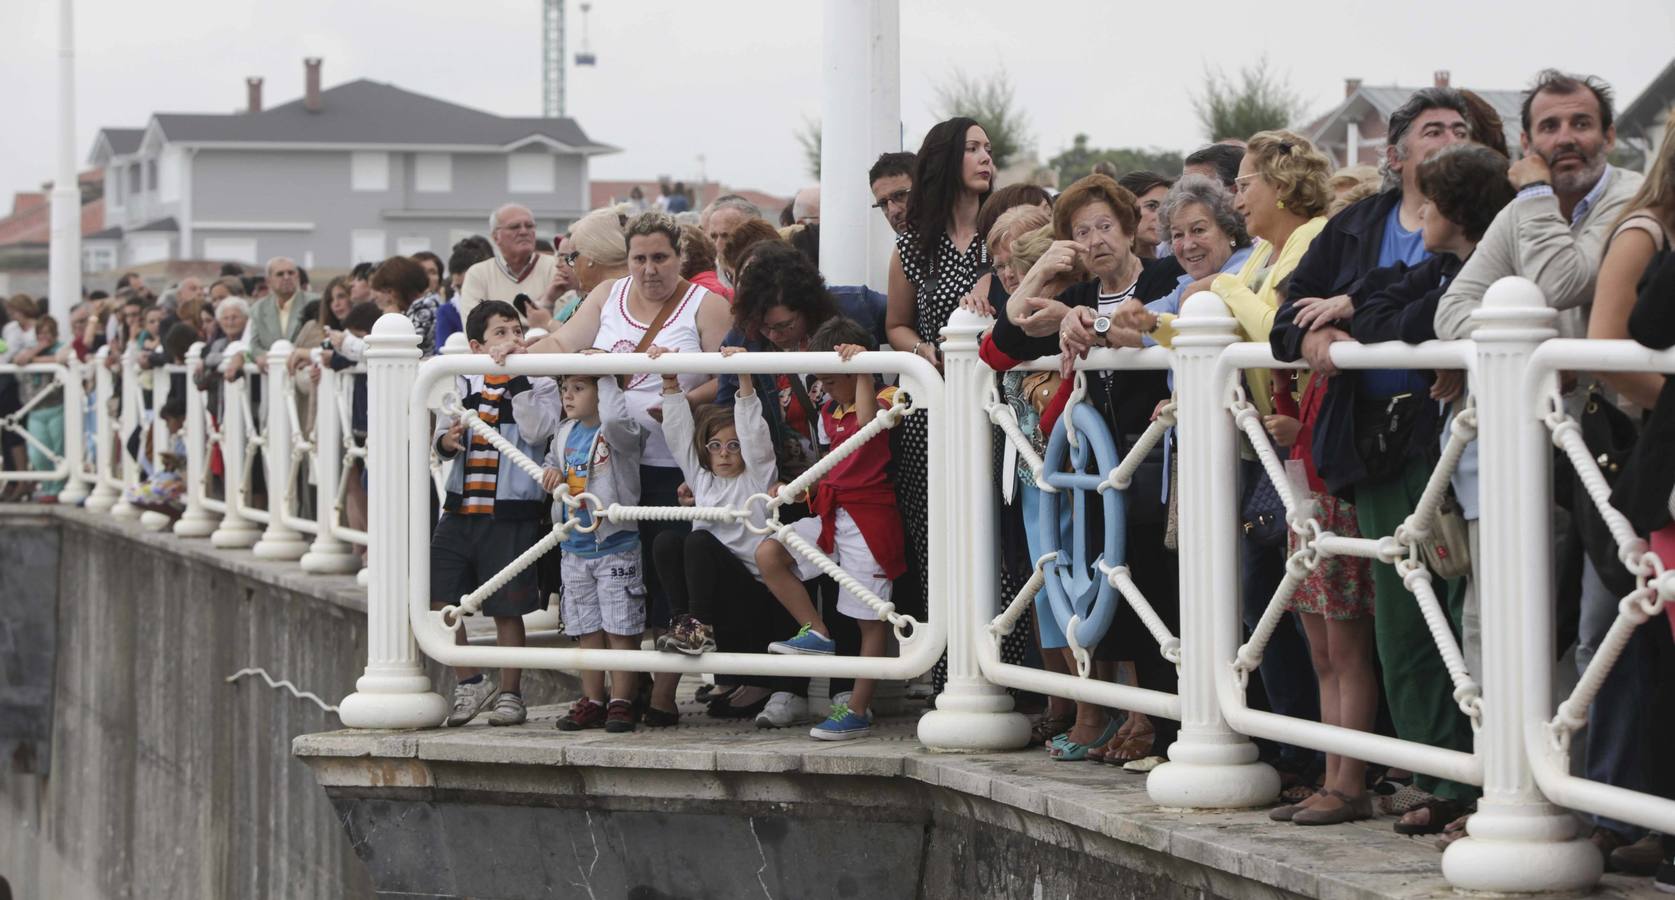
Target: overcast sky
point(733, 80)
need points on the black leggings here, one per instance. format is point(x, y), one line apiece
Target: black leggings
point(719, 591)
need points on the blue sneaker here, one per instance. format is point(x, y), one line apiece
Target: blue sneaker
point(842, 725)
point(808, 641)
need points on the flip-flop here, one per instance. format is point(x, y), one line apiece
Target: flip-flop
point(1070, 751)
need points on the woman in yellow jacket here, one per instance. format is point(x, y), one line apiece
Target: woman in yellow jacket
point(1282, 191)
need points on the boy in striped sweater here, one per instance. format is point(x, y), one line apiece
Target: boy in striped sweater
point(493, 509)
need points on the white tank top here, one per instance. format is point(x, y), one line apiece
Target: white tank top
point(619, 332)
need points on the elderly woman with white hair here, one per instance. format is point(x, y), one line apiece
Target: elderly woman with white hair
point(1205, 234)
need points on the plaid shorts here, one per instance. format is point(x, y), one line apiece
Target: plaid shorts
point(604, 593)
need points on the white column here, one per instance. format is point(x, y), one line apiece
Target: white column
point(75, 448)
point(64, 275)
point(1352, 144)
point(860, 109)
point(104, 496)
point(394, 692)
point(327, 554)
point(150, 519)
point(195, 521)
point(132, 411)
point(279, 541)
point(971, 714)
point(1518, 842)
point(235, 530)
point(1210, 766)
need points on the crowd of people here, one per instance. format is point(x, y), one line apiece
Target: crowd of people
point(1303, 256)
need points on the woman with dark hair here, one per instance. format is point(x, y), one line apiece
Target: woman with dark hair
point(697, 261)
point(939, 258)
point(741, 242)
point(397, 285)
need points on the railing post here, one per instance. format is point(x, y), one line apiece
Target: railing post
point(195, 521)
point(279, 541)
point(130, 419)
point(1517, 842)
point(104, 496)
point(394, 692)
point(235, 530)
point(161, 388)
point(327, 555)
point(1210, 766)
point(75, 409)
point(971, 714)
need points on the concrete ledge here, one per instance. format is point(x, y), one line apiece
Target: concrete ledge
point(709, 767)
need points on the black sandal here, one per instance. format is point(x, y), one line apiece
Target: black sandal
point(1442, 811)
point(660, 718)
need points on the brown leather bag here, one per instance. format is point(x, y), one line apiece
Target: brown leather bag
point(1039, 388)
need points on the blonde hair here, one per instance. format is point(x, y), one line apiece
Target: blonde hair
point(1297, 171)
point(1014, 222)
point(1657, 193)
point(1352, 184)
point(598, 236)
point(1028, 248)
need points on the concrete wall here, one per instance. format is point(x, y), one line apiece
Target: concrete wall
point(164, 780)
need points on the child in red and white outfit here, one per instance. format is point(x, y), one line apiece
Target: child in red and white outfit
point(855, 522)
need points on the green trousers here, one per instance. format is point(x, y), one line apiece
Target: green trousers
point(1416, 684)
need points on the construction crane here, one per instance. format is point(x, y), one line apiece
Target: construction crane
point(552, 58)
point(553, 103)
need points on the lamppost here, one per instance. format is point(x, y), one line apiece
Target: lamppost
point(64, 272)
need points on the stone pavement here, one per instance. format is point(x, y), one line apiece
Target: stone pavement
point(1362, 860)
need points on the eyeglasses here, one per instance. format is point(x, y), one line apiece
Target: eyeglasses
point(518, 226)
point(718, 446)
point(899, 198)
point(779, 327)
point(570, 258)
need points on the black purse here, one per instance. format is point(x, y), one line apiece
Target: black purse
point(1263, 514)
point(1383, 432)
point(1611, 436)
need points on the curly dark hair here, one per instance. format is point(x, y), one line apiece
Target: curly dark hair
point(780, 275)
point(1467, 184)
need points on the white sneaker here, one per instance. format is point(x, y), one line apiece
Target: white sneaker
point(841, 697)
point(469, 700)
point(508, 710)
point(784, 709)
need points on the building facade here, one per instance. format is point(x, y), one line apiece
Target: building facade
point(350, 174)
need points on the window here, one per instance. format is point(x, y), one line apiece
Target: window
point(151, 174)
point(173, 166)
point(144, 248)
point(369, 171)
point(529, 173)
point(97, 258)
point(407, 245)
point(242, 250)
point(433, 173)
point(113, 177)
point(134, 185)
point(366, 245)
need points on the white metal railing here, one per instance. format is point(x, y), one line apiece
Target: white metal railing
point(1519, 841)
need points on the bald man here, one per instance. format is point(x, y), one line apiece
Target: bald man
point(515, 267)
point(279, 314)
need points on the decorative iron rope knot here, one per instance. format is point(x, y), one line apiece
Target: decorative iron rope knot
point(1464, 425)
point(1393, 552)
point(1171, 650)
point(1411, 571)
point(770, 514)
point(1078, 394)
point(1245, 662)
point(1570, 718)
point(1556, 416)
point(1665, 587)
point(1298, 565)
point(590, 504)
point(1559, 424)
point(1310, 552)
point(1166, 415)
point(1640, 605)
point(1640, 560)
point(1084, 662)
point(1412, 532)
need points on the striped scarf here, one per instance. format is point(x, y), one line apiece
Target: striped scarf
point(482, 461)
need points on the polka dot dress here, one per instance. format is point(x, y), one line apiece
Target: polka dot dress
point(939, 282)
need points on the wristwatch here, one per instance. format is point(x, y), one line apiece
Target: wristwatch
point(1102, 326)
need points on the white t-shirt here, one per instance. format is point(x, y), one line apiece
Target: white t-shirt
point(620, 332)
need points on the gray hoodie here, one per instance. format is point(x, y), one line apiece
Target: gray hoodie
point(614, 462)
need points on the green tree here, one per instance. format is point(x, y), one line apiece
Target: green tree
point(991, 101)
point(808, 137)
point(1079, 159)
point(1257, 100)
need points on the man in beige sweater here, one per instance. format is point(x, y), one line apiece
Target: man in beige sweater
point(1554, 233)
point(515, 268)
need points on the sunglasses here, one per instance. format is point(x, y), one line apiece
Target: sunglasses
point(570, 258)
point(718, 446)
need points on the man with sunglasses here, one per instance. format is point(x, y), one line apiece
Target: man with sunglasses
point(891, 178)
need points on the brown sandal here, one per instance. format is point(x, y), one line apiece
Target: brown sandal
point(1137, 746)
point(1050, 727)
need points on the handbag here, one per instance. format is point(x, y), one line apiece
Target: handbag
point(1038, 389)
point(1384, 432)
point(1448, 550)
point(1172, 526)
point(1611, 436)
point(1263, 514)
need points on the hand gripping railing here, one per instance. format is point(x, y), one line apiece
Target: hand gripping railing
point(402, 394)
point(1548, 740)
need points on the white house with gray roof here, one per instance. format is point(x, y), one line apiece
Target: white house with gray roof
point(354, 173)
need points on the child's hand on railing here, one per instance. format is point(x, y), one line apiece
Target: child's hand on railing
point(773, 491)
point(684, 495)
point(501, 352)
point(846, 352)
point(450, 442)
point(551, 478)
